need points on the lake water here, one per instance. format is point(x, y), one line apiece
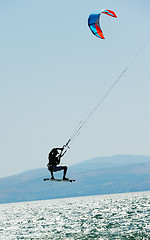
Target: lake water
point(117, 216)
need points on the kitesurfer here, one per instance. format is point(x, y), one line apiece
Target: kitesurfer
point(54, 160)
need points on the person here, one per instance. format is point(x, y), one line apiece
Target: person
point(54, 160)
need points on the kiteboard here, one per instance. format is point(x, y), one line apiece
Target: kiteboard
point(58, 180)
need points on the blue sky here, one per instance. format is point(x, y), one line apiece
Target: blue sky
point(54, 71)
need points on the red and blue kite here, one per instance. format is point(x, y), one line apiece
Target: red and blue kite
point(94, 25)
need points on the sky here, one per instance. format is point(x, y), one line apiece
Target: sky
point(54, 71)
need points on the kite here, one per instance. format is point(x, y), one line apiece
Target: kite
point(94, 25)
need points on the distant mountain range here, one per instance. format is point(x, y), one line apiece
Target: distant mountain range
point(101, 175)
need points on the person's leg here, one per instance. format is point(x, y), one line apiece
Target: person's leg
point(59, 168)
point(51, 171)
point(65, 171)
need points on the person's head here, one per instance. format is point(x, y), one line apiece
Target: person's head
point(55, 152)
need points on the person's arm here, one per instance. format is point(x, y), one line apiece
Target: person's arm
point(60, 149)
point(60, 154)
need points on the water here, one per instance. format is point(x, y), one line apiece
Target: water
point(118, 216)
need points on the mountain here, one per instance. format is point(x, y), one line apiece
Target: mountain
point(102, 175)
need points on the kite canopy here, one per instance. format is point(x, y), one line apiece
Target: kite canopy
point(94, 25)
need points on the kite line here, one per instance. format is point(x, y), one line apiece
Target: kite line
point(82, 123)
